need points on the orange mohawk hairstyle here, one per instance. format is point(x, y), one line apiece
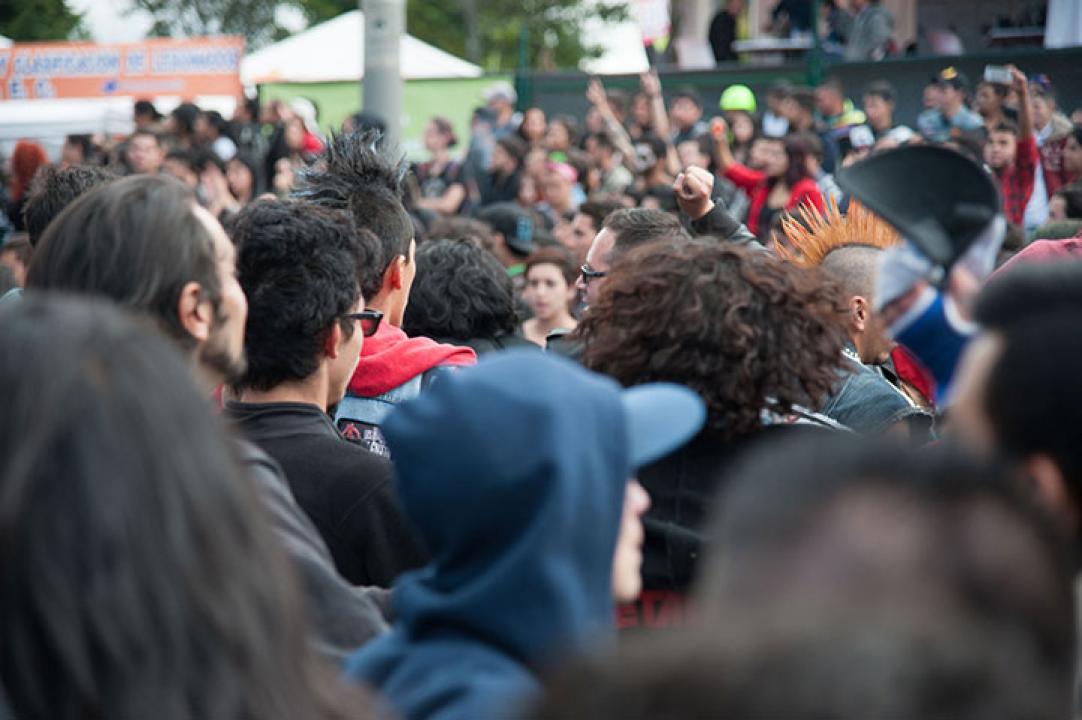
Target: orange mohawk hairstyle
point(813, 235)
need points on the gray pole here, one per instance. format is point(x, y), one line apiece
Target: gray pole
point(384, 24)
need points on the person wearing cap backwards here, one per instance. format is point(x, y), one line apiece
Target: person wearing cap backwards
point(952, 115)
point(512, 235)
point(519, 474)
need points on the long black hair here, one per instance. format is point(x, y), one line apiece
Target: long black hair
point(138, 576)
point(137, 241)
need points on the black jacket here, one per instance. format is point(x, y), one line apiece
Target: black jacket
point(344, 617)
point(723, 226)
point(684, 488)
point(345, 490)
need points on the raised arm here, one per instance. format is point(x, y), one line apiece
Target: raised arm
point(1021, 86)
point(595, 93)
point(723, 154)
point(651, 86)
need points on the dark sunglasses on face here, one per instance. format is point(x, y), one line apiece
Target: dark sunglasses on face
point(369, 320)
point(588, 273)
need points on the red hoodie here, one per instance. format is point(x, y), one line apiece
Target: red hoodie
point(390, 358)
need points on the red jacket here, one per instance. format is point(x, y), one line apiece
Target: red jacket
point(390, 358)
point(755, 186)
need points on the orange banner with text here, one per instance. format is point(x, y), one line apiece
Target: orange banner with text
point(160, 66)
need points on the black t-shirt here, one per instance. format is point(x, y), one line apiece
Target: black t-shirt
point(722, 34)
point(347, 491)
point(502, 188)
point(434, 185)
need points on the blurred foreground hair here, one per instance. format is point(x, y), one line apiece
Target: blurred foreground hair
point(139, 577)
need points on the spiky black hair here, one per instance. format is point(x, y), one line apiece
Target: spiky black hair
point(359, 175)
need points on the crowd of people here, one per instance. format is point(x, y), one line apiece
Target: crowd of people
point(655, 414)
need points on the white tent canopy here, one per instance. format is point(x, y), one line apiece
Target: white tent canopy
point(49, 121)
point(334, 51)
point(622, 51)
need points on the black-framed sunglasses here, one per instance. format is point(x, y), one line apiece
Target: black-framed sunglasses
point(369, 320)
point(588, 273)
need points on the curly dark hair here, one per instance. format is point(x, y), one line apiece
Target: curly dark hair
point(745, 330)
point(298, 265)
point(461, 292)
point(54, 188)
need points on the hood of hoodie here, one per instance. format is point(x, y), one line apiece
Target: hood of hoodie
point(514, 473)
point(390, 358)
point(1069, 249)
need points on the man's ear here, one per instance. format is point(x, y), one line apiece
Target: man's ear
point(1051, 488)
point(392, 276)
point(195, 312)
point(333, 343)
point(859, 311)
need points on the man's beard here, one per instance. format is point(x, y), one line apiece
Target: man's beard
point(215, 354)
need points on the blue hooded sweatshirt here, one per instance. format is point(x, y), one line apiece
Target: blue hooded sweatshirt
point(514, 473)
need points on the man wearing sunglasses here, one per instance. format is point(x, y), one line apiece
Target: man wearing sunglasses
point(625, 230)
point(360, 178)
point(301, 266)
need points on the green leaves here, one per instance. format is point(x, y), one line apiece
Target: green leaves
point(484, 31)
point(494, 26)
point(30, 20)
point(254, 19)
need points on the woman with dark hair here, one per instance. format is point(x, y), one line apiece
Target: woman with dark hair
point(181, 125)
point(242, 174)
point(140, 578)
point(462, 296)
point(760, 341)
point(745, 130)
point(783, 183)
point(440, 179)
point(550, 293)
point(562, 135)
point(215, 132)
point(534, 127)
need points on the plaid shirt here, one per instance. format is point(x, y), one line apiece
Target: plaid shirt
point(1016, 180)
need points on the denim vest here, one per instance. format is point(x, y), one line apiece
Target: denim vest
point(359, 418)
point(867, 402)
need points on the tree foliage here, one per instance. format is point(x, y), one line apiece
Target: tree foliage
point(486, 31)
point(254, 19)
point(554, 38)
point(30, 20)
